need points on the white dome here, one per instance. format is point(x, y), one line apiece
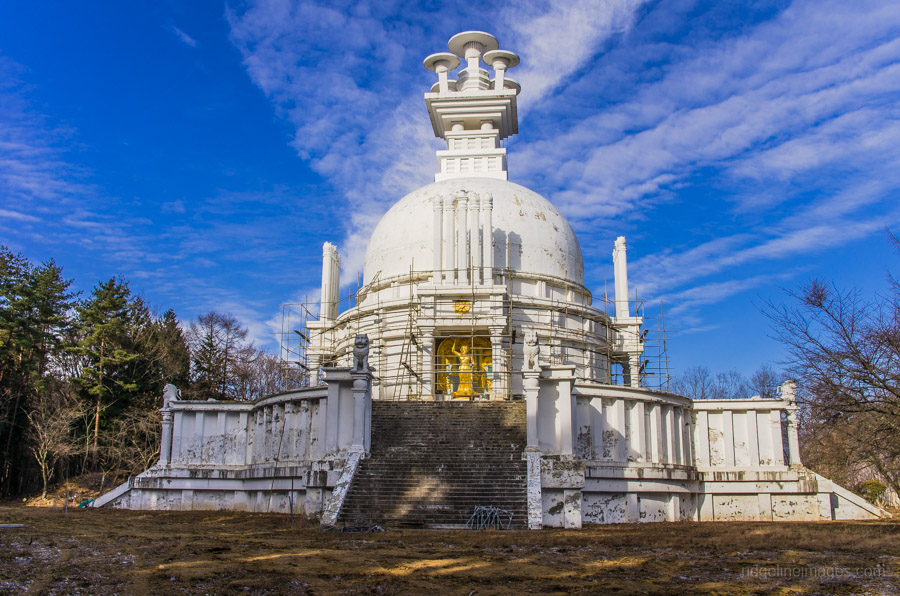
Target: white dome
point(404, 236)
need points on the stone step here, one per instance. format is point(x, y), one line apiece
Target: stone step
point(432, 463)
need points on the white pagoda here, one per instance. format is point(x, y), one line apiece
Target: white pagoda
point(475, 364)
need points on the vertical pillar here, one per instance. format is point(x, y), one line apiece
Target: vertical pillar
point(531, 386)
point(678, 436)
point(165, 445)
point(788, 394)
point(620, 429)
point(473, 264)
point(620, 272)
point(437, 231)
point(753, 437)
point(361, 393)
point(636, 432)
point(331, 273)
point(777, 440)
point(462, 215)
point(687, 417)
point(497, 363)
point(565, 420)
point(793, 436)
point(448, 239)
point(429, 378)
point(634, 370)
point(655, 434)
point(669, 422)
point(487, 239)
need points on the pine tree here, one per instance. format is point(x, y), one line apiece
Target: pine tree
point(107, 351)
point(35, 302)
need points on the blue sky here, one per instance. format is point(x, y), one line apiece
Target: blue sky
point(205, 150)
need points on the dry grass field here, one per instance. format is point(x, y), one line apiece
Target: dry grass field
point(126, 552)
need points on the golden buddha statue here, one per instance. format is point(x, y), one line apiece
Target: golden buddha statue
point(464, 371)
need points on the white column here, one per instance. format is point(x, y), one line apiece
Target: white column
point(428, 379)
point(687, 434)
point(448, 239)
point(634, 370)
point(437, 204)
point(777, 440)
point(669, 423)
point(498, 383)
point(600, 427)
point(678, 436)
point(701, 439)
point(165, 445)
point(473, 264)
point(531, 386)
point(462, 215)
point(793, 436)
point(360, 388)
point(766, 442)
point(655, 433)
point(617, 419)
point(752, 437)
point(565, 418)
point(636, 432)
point(620, 271)
point(487, 239)
point(728, 430)
point(331, 263)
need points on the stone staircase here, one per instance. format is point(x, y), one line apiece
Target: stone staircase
point(432, 462)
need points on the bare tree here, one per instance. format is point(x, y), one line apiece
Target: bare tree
point(696, 382)
point(132, 445)
point(845, 350)
point(258, 373)
point(765, 382)
point(52, 413)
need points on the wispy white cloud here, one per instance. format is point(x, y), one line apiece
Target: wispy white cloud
point(15, 215)
point(183, 37)
point(357, 106)
point(792, 118)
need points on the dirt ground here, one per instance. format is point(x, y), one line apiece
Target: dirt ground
point(130, 552)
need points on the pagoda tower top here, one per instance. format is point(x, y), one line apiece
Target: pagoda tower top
point(474, 112)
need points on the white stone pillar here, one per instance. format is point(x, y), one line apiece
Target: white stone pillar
point(499, 378)
point(636, 432)
point(620, 271)
point(669, 423)
point(777, 440)
point(617, 420)
point(565, 421)
point(634, 370)
point(678, 435)
point(448, 239)
point(438, 242)
point(753, 437)
point(487, 239)
point(532, 387)
point(788, 394)
point(331, 274)
point(474, 233)
point(165, 445)
point(429, 378)
point(793, 436)
point(362, 382)
point(462, 216)
point(656, 437)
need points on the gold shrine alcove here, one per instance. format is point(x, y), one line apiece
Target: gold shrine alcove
point(464, 367)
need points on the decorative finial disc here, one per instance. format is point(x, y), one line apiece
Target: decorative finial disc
point(457, 43)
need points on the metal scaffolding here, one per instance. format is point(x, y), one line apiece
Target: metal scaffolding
point(404, 375)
